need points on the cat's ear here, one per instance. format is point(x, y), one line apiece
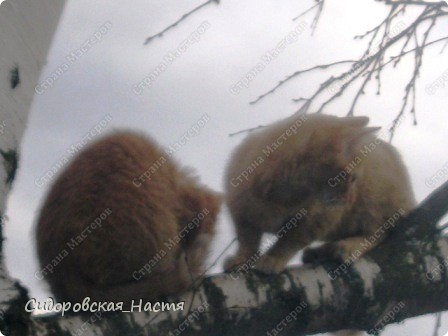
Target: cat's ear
point(357, 135)
point(348, 145)
point(355, 121)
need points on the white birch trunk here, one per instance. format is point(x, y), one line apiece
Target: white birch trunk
point(26, 32)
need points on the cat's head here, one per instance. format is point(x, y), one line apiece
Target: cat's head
point(325, 165)
point(198, 211)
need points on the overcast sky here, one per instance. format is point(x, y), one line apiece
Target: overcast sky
point(100, 86)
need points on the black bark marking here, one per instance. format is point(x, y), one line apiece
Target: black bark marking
point(11, 164)
point(14, 78)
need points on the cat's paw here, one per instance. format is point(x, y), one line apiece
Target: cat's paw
point(327, 251)
point(233, 263)
point(270, 265)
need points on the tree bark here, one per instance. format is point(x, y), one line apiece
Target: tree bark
point(398, 280)
point(26, 32)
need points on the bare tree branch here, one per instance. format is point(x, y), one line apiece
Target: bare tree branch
point(182, 18)
point(361, 293)
point(382, 39)
point(298, 73)
point(430, 211)
point(320, 7)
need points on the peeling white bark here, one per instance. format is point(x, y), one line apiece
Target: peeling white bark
point(368, 272)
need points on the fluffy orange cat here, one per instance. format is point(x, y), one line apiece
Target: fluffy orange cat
point(314, 177)
point(123, 222)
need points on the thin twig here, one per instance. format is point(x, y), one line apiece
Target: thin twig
point(298, 73)
point(246, 130)
point(320, 7)
point(412, 2)
point(183, 17)
point(438, 324)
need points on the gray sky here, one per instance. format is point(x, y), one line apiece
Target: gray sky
point(101, 82)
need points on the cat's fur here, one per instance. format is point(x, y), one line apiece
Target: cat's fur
point(145, 207)
point(304, 173)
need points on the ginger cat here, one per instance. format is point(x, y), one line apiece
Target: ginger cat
point(314, 177)
point(123, 222)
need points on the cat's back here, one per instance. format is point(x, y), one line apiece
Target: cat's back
point(123, 181)
point(124, 157)
point(385, 175)
point(123, 162)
